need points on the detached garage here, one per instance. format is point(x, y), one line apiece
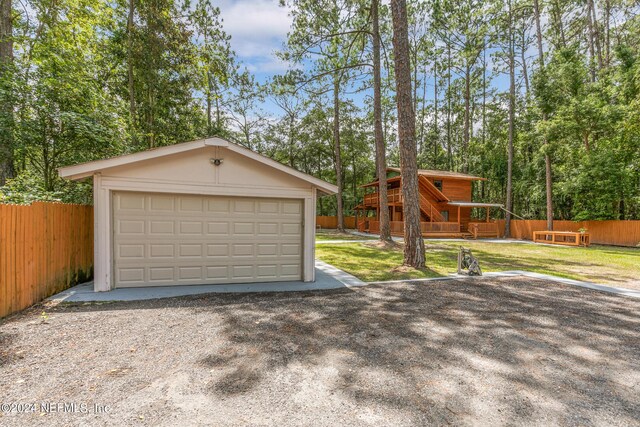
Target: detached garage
point(201, 212)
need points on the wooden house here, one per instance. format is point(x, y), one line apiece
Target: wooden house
point(446, 205)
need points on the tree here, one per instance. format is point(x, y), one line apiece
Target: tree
point(512, 108)
point(547, 156)
point(381, 149)
point(216, 66)
point(414, 255)
point(6, 92)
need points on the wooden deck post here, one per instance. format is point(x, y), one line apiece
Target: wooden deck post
point(459, 218)
point(487, 213)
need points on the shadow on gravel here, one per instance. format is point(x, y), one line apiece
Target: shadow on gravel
point(435, 349)
point(441, 352)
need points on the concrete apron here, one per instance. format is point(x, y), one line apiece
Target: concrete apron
point(327, 277)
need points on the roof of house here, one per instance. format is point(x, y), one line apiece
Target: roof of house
point(443, 174)
point(84, 170)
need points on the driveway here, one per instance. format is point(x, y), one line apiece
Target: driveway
point(496, 351)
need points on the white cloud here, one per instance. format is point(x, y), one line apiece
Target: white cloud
point(270, 65)
point(257, 29)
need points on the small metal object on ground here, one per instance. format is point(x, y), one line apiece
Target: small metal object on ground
point(467, 263)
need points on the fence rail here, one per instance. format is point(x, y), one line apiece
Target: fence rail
point(44, 249)
point(331, 222)
point(614, 232)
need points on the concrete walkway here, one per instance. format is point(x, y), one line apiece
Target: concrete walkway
point(325, 242)
point(436, 239)
point(514, 273)
point(327, 277)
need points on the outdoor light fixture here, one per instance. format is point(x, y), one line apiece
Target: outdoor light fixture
point(216, 162)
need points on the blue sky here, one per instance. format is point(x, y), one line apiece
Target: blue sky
point(258, 28)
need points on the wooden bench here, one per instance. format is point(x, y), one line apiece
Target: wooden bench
point(569, 238)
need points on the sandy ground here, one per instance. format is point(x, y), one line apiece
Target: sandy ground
point(490, 352)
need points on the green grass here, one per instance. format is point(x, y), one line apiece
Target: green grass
point(334, 235)
point(601, 264)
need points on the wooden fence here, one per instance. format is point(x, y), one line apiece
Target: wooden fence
point(44, 249)
point(332, 222)
point(614, 232)
point(619, 233)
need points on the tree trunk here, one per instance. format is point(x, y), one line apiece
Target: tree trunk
point(596, 33)
point(414, 244)
point(512, 101)
point(607, 32)
point(448, 94)
point(523, 57)
point(467, 118)
point(130, 77)
point(7, 168)
point(209, 121)
point(557, 17)
point(436, 131)
point(336, 151)
point(381, 153)
point(591, 42)
point(547, 157)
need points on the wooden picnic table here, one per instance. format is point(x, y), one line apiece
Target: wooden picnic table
point(569, 238)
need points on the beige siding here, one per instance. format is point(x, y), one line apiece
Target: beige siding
point(167, 239)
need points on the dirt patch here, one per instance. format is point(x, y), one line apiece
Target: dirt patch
point(387, 246)
point(465, 352)
point(403, 269)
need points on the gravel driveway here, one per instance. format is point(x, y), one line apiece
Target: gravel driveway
point(488, 352)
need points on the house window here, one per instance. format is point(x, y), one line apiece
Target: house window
point(438, 184)
point(445, 215)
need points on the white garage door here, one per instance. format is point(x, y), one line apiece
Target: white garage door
point(164, 239)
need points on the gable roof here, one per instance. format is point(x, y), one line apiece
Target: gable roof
point(443, 174)
point(84, 170)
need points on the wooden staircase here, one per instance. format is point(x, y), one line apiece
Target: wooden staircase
point(426, 207)
point(429, 210)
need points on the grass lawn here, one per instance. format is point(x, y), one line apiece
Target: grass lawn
point(601, 264)
point(334, 235)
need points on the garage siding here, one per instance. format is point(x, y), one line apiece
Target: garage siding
point(167, 239)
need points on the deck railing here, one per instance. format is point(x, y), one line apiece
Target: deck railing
point(397, 227)
point(439, 227)
point(483, 229)
point(394, 195)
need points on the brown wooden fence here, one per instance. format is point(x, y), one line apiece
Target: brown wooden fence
point(332, 222)
point(620, 233)
point(614, 232)
point(44, 249)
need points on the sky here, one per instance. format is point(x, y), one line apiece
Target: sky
point(258, 28)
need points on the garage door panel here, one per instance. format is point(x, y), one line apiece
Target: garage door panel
point(161, 250)
point(218, 228)
point(161, 227)
point(191, 204)
point(159, 204)
point(131, 202)
point(131, 251)
point(124, 227)
point(161, 274)
point(291, 228)
point(244, 206)
point(175, 239)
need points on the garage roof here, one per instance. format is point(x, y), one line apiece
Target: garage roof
point(84, 170)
